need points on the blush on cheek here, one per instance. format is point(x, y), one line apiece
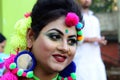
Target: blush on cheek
point(45, 46)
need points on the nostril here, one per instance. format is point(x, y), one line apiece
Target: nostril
point(62, 49)
point(65, 50)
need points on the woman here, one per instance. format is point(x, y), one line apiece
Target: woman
point(51, 41)
point(2, 43)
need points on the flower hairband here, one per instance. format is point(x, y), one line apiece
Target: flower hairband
point(73, 20)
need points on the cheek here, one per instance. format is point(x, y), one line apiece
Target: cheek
point(73, 51)
point(45, 46)
point(1, 49)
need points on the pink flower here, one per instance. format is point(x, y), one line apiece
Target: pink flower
point(9, 76)
point(71, 19)
point(1, 64)
point(9, 61)
point(27, 14)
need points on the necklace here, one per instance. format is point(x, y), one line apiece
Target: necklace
point(36, 78)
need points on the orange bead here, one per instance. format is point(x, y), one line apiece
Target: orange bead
point(80, 38)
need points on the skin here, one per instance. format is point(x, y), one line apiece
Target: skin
point(85, 3)
point(53, 48)
point(2, 46)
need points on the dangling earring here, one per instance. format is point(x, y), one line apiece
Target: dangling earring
point(24, 64)
point(68, 73)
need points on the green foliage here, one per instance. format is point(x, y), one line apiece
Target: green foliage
point(102, 5)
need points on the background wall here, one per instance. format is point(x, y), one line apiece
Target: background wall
point(109, 25)
point(108, 21)
point(10, 12)
point(0, 16)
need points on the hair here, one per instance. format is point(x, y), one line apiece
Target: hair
point(46, 11)
point(43, 12)
point(2, 38)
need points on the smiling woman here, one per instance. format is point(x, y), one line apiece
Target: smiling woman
point(46, 42)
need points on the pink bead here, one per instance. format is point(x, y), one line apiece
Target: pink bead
point(69, 78)
point(62, 79)
point(14, 71)
point(24, 74)
point(27, 15)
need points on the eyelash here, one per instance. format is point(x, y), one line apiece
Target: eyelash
point(72, 42)
point(54, 37)
point(57, 37)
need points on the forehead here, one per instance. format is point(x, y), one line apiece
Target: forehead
point(60, 24)
point(3, 43)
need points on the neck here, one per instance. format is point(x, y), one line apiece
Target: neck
point(85, 10)
point(43, 74)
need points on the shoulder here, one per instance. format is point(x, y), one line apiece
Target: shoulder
point(92, 14)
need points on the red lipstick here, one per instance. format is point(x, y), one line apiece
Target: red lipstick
point(59, 58)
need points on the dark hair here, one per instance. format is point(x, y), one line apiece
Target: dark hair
point(45, 11)
point(2, 38)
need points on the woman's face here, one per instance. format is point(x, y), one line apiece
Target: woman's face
point(55, 46)
point(85, 3)
point(2, 46)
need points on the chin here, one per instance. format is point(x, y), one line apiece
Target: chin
point(86, 7)
point(58, 68)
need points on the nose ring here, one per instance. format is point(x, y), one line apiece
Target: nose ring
point(69, 52)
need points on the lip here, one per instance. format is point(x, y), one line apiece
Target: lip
point(59, 57)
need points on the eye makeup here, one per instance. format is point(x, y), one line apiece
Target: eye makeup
point(54, 36)
point(72, 41)
point(57, 35)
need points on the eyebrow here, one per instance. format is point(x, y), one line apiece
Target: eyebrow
point(60, 32)
point(56, 30)
point(73, 36)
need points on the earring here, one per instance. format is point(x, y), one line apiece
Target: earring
point(68, 73)
point(23, 64)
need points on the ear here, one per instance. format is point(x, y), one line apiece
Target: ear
point(30, 37)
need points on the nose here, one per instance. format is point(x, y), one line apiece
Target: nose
point(63, 47)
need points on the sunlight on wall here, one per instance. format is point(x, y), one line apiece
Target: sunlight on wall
point(13, 10)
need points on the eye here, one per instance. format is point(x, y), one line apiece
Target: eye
point(72, 41)
point(54, 36)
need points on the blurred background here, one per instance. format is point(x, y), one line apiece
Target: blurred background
point(108, 12)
